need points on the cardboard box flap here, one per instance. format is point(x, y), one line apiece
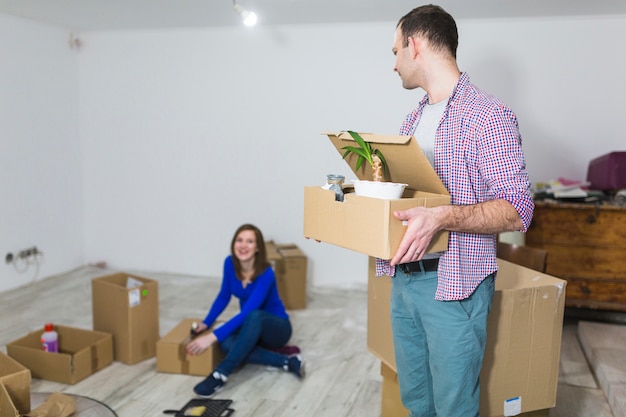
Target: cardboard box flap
point(7, 408)
point(15, 379)
point(406, 161)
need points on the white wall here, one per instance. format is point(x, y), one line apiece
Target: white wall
point(565, 80)
point(40, 160)
point(186, 134)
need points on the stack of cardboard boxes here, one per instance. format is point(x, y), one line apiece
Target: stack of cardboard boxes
point(290, 267)
point(521, 364)
point(520, 369)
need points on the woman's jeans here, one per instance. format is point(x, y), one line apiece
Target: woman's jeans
point(260, 333)
point(439, 345)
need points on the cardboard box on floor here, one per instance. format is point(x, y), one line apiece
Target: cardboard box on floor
point(524, 331)
point(127, 306)
point(81, 353)
point(391, 404)
point(15, 378)
point(367, 225)
point(172, 357)
point(290, 268)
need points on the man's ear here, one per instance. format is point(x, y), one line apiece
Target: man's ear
point(414, 46)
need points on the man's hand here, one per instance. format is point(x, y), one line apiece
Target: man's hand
point(489, 217)
point(422, 225)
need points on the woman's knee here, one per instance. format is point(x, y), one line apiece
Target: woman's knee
point(227, 344)
point(253, 318)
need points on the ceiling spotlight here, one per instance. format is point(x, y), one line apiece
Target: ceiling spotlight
point(249, 18)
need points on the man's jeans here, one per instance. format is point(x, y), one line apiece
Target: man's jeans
point(439, 345)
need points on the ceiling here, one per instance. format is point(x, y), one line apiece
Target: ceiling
point(83, 15)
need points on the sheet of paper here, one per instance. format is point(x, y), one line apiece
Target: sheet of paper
point(575, 192)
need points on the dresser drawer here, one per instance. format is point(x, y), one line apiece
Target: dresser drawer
point(574, 225)
point(596, 294)
point(586, 246)
point(584, 261)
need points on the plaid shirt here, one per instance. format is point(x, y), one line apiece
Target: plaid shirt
point(478, 156)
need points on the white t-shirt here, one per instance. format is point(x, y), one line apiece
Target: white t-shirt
point(425, 135)
point(427, 127)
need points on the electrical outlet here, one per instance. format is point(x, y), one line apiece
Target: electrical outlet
point(27, 253)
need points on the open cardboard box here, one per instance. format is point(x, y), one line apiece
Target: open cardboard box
point(365, 224)
point(172, 357)
point(524, 330)
point(391, 403)
point(15, 382)
point(81, 353)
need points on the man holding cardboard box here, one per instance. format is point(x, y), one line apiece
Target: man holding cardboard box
point(440, 302)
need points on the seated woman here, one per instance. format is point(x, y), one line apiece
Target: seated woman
point(262, 327)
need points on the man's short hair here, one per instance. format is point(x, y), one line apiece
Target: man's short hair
point(433, 23)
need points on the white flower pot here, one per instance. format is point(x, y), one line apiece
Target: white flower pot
point(379, 189)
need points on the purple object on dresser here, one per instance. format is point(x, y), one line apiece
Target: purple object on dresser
point(608, 172)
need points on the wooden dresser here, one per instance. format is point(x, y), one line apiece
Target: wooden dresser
point(586, 246)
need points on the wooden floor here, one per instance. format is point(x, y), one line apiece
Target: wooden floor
point(343, 378)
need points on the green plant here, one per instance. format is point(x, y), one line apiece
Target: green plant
point(365, 152)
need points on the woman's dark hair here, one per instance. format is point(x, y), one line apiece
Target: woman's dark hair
point(260, 260)
point(433, 23)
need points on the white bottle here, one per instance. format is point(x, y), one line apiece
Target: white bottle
point(49, 339)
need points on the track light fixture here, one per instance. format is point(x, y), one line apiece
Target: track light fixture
point(249, 18)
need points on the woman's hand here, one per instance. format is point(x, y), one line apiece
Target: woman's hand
point(201, 327)
point(200, 344)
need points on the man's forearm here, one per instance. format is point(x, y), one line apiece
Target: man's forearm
point(490, 217)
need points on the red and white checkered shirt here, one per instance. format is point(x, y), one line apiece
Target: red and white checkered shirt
point(479, 157)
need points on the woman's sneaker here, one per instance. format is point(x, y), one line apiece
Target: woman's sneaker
point(211, 384)
point(295, 365)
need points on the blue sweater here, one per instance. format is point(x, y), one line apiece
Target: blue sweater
point(260, 294)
